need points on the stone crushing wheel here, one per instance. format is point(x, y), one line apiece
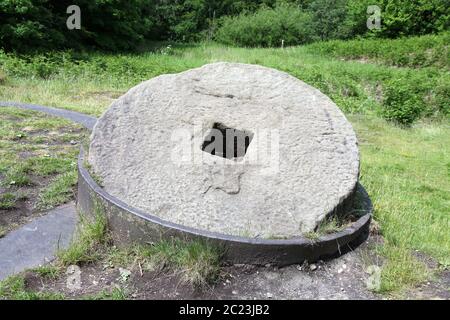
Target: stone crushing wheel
point(243, 156)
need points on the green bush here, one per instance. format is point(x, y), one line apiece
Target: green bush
point(27, 25)
point(41, 24)
point(421, 51)
point(267, 28)
point(2, 77)
point(328, 18)
point(406, 17)
point(398, 17)
point(441, 97)
point(402, 103)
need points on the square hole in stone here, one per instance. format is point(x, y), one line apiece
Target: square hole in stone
point(226, 142)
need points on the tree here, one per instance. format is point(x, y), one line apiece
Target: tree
point(328, 18)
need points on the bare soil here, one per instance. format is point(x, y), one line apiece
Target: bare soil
point(342, 278)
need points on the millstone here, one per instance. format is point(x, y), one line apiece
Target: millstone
point(231, 148)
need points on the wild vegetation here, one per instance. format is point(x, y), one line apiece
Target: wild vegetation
point(404, 157)
point(194, 263)
point(124, 25)
point(393, 84)
point(359, 82)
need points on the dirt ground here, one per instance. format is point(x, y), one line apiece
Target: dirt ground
point(51, 142)
point(24, 209)
point(346, 277)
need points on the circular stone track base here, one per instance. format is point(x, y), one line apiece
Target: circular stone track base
point(130, 225)
point(244, 156)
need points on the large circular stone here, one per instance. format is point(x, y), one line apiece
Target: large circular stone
point(294, 160)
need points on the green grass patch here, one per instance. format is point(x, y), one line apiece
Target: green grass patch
point(90, 241)
point(59, 191)
point(14, 288)
point(48, 271)
point(337, 223)
point(7, 201)
point(46, 166)
point(3, 231)
point(327, 226)
point(405, 171)
point(197, 262)
point(18, 176)
point(34, 146)
point(401, 269)
point(356, 87)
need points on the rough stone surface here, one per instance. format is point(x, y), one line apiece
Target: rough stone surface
point(147, 149)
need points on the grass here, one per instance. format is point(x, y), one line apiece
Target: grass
point(7, 201)
point(36, 153)
point(406, 173)
point(337, 223)
point(197, 262)
point(18, 176)
point(3, 231)
point(89, 82)
point(60, 190)
point(326, 226)
point(404, 169)
point(48, 271)
point(400, 269)
point(421, 51)
point(91, 239)
point(14, 288)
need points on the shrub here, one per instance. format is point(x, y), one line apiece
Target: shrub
point(41, 24)
point(267, 28)
point(405, 17)
point(402, 103)
point(2, 77)
point(328, 18)
point(417, 52)
point(442, 98)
